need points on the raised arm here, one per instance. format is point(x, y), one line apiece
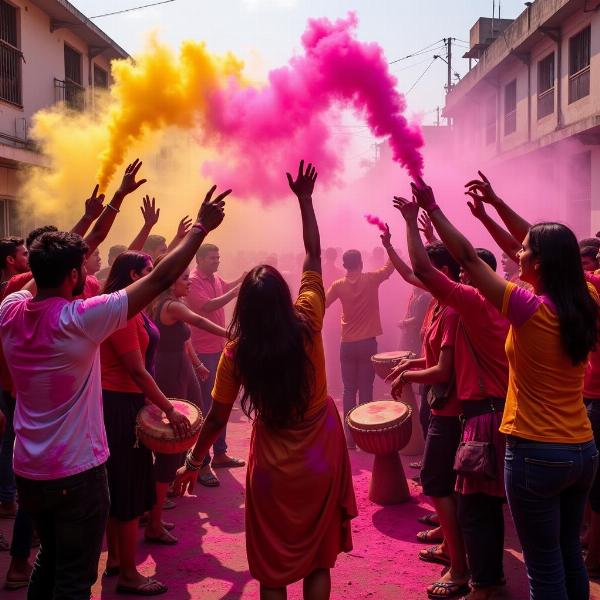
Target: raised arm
point(220, 301)
point(303, 188)
point(93, 209)
point(151, 214)
point(177, 311)
point(210, 216)
point(182, 231)
point(482, 189)
point(405, 271)
point(491, 285)
point(107, 218)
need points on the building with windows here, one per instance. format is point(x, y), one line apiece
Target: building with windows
point(535, 92)
point(49, 53)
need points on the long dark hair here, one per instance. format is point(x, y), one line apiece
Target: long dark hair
point(271, 358)
point(562, 278)
point(120, 272)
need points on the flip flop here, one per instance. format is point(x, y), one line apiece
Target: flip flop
point(430, 519)
point(232, 463)
point(166, 539)
point(209, 480)
point(452, 590)
point(16, 584)
point(416, 465)
point(433, 556)
point(425, 537)
point(169, 504)
point(166, 525)
point(150, 588)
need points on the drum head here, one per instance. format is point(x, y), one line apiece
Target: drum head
point(155, 423)
point(396, 356)
point(379, 414)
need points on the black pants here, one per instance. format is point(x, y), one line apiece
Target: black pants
point(482, 522)
point(70, 516)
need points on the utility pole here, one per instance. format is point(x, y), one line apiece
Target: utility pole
point(449, 57)
point(438, 116)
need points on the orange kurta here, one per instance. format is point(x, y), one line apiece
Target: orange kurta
point(299, 494)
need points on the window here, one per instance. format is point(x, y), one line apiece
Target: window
point(70, 91)
point(10, 55)
point(490, 120)
point(579, 65)
point(9, 218)
point(100, 77)
point(545, 103)
point(579, 206)
point(510, 107)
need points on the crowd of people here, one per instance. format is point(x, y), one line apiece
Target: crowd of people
point(507, 369)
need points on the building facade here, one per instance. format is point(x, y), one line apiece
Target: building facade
point(532, 102)
point(49, 52)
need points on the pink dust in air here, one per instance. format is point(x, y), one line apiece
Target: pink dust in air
point(261, 131)
point(373, 220)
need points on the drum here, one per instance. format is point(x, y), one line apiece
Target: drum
point(155, 432)
point(383, 428)
point(384, 362)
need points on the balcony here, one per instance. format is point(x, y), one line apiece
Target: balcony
point(10, 74)
point(579, 84)
point(71, 93)
point(545, 103)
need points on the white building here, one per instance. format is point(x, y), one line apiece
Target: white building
point(49, 52)
point(535, 91)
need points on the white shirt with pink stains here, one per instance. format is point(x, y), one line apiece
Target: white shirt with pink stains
point(52, 348)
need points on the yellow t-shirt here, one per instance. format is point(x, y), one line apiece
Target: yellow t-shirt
point(310, 303)
point(545, 390)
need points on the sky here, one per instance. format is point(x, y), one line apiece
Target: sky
point(266, 33)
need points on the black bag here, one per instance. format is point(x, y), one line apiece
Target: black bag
point(439, 394)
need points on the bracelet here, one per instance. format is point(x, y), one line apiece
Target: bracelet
point(113, 208)
point(200, 228)
point(191, 464)
point(402, 376)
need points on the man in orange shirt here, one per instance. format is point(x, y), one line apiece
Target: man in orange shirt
point(361, 324)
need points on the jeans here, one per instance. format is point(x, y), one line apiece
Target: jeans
point(547, 486)
point(357, 374)
point(481, 520)
point(8, 486)
point(211, 362)
point(70, 516)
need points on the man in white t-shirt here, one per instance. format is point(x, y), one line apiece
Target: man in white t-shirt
point(51, 344)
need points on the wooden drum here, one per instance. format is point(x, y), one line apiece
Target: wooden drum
point(383, 364)
point(155, 432)
point(383, 428)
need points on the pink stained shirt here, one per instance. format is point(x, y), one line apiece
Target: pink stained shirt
point(52, 348)
point(202, 289)
point(481, 366)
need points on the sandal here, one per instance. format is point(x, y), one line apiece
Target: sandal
point(166, 525)
point(230, 463)
point(416, 465)
point(426, 537)
point(433, 556)
point(151, 587)
point(209, 479)
point(16, 584)
point(165, 538)
point(169, 504)
point(451, 590)
point(430, 519)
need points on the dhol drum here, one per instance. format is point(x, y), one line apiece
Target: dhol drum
point(155, 432)
point(383, 365)
point(383, 428)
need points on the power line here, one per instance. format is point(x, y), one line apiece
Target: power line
point(417, 52)
point(420, 77)
point(420, 62)
point(119, 12)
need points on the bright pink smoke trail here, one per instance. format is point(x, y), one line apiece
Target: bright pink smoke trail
point(262, 132)
point(373, 220)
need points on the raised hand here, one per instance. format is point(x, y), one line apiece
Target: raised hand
point(212, 211)
point(150, 213)
point(386, 237)
point(183, 227)
point(423, 195)
point(409, 209)
point(305, 181)
point(482, 189)
point(477, 206)
point(94, 205)
point(129, 184)
point(427, 227)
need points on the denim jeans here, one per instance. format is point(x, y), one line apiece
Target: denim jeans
point(211, 362)
point(8, 487)
point(357, 374)
point(70, 516)
point(547, 486)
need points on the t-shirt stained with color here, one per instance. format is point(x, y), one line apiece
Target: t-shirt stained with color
point(591, 385)
point(52, 347)
point(545, 390)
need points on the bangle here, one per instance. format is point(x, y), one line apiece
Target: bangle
point(191, 464)
point(200, 366)
point(113, 208)
point(402, 376)
point(200, 228)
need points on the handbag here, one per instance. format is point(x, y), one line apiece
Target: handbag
point(439, 394)
point(477, 458)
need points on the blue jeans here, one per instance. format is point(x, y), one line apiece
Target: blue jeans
point(547, 485)
point(211, 362)
point(8, 487)
point(357, 374)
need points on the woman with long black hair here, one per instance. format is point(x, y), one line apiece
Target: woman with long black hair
point(551, 457)
point(299, 496)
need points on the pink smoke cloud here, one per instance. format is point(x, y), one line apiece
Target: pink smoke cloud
point(373, 220)
point(261, 132)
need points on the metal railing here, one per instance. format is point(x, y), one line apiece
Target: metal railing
point(72, 94)
point(10, 74)
point(510, 122)
point(545, 103)
point(579, 84)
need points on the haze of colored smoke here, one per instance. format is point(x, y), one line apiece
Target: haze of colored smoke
point(373, 220)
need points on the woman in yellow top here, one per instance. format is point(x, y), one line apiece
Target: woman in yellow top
point(299, 495)
point(551, 458)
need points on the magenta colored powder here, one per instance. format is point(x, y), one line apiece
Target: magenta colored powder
point(373, 220)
